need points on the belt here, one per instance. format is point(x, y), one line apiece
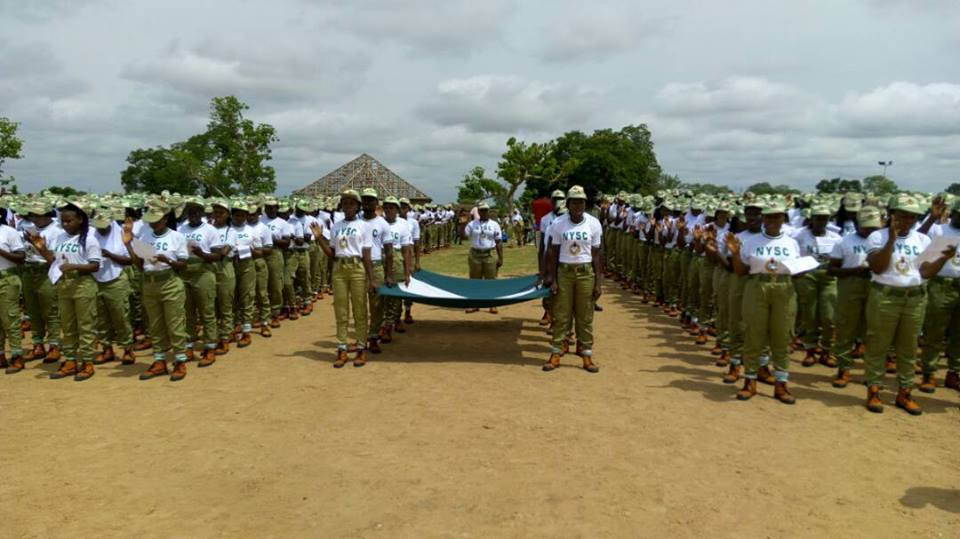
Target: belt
point(480, 251)
point(73, 275)
point(771, 277)
point(157, 276)
point(34, 267)
point(110, 282)
point(898, 291)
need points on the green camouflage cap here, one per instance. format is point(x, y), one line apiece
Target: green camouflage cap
point(820, 209)
point(774, 206)
point(853, 201)
point(391, 200)
point(239, 204)
point(907, 203)
point(222, 202)
point(559, 194)
point(405, 200)
point(351, 194)
point(156, 210)
point(369, 192)
point(869, 216)
point(483, 206)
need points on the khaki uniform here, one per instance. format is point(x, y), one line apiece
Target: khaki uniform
point(113, 312)
point(77, 294)
point(350, 291)
point(482, 264)
point(10, 312)
point(769, 311)
point(574, 297)
point(894, 317)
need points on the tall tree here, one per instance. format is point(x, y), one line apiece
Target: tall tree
point(11, 147)
point(954, 189)
point(476, 186)
point(152, 170)
point(522, 162)
point(880, 184)
point(765, 188)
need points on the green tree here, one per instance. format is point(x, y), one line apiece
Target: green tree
point(828, 186)
point(11, 147)
point(954, 189)
point(668, 182)
point(706, 188)
point(64, 191)
point(230, 157)
point(476, 186)
point(880, 184)
point(152, 170)
point(765, 188)
point(839, 185)
point(522, 162)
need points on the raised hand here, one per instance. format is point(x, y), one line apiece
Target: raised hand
point(733, 243)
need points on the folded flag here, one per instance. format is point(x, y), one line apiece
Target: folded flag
point(443, 291)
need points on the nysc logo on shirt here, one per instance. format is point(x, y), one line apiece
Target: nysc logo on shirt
point(907, 250)
point(775, 250)
point(576, 235)
point(859, 250)
point(68, 248)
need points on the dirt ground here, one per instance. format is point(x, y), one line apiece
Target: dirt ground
point(455, 431)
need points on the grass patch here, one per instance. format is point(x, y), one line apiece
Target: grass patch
point(453, 261)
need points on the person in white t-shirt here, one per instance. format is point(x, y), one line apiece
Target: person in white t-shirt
point(39, 294)
point(349, 243)
point(895, 307)
point(817, 290)
point(485, 239)
point(76, 254)
point(381, 254)
point(558, 200)
point(200, 281)
point(402, 265)
point(848, 263)
point(942, 318)
point(282, 236)
point(113, 288)
point(12, 255)
point(247, 248)
point(410, 216)
point(574, 273)
point(163, 292)
point(262, 312)
point(769, 299)
point(226, 275)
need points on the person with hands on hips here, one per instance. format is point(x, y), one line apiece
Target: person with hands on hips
point(573, 272)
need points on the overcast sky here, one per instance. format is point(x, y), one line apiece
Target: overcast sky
point(733, 92)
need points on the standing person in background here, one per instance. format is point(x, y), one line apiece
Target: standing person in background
point(574, 264)
point(262, 294)
point(12, 255)
point(485, 238)
point(281, 233)
point(942, 320)
point(557, 201)
point(897, 301)
point(226, 274)
point(402, 240)
point(113, 288)
point(848, 263)
point(247, 248)
point(817, 289)
point(381, 256)
point(349, 244)
point(200, 281)
point(415, 236)
point(516, 223)
point(39, 294)
point(163, 290)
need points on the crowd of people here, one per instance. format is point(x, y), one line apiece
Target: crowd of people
point(839, 277)
point(94, 279)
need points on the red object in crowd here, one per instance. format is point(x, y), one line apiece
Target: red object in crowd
point(540, 207)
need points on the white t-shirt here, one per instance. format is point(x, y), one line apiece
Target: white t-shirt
point(262, 231)
point(903, 271)
point(576, 240)
point(380, 233)
point(414, 228)
point(171, 243)
point(350, 238)
point(247, 241)
point(852, 250)
point(546, 220)
point(278, 226)
point(204, 236)
point(113, 242)
point(483, 234)
point(68, 248)
point(10, 242)
point(49, 235)
point(761, 252)
point(818, 247)
point(227, 237)
point(400, 233)
point(952, 267)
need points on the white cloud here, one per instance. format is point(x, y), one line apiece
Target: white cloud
point(509, 104)
point(595, 32)
point(901, 108)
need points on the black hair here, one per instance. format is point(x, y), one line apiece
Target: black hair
point(84, 224)
point(171, 218)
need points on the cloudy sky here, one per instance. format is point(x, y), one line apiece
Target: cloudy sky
point(734, 92)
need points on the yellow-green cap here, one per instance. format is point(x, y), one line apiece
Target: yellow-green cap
point(576, 192)
point(405, 200)
point(240, 205)
point(773, 206)
point(820, 209)
point(155, 212)
point(483, 206)
point(869, 216)
point(369, 192)
point(351, 194)
point(391, 200)
point(907, 203)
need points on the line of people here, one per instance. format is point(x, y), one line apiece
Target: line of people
point(729, 268)
point(96, 279)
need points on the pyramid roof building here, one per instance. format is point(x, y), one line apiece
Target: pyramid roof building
point(363, 172)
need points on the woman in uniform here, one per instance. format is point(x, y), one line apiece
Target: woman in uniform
point(261, 231)
point(485, 238)
point(39, 294)
point(163, 291)
point(402, 240)
point(77, 253)
point(12, 255)
point(817, 289)
point(200, 281)
point(248, 247)
point(769, 300)
point(574, 266)
point(349, 243)
point(113, 288)
point(226, 275)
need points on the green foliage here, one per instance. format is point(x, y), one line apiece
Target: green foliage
point(524, 162)
point(880, 184)
point(228, 158)
point(11, 147)
point(668, 182)
point(764, 188)
point(64, 191)
point(477, 186)
point(954, 189)
point(706, 188)
point(839, 185)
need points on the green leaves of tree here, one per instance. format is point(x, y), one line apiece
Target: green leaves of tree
point(11, 147)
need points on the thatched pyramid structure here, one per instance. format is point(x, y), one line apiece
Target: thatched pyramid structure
point(365, 171)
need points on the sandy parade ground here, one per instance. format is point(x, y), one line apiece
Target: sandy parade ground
point(455, 431)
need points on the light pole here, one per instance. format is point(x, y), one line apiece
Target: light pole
point(885, 164)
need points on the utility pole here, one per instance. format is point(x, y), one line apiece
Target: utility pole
point(885, 164)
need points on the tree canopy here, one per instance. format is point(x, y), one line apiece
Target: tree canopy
point(228, 158)
point(476, 186)
point(11, 147)
point(880, 184)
